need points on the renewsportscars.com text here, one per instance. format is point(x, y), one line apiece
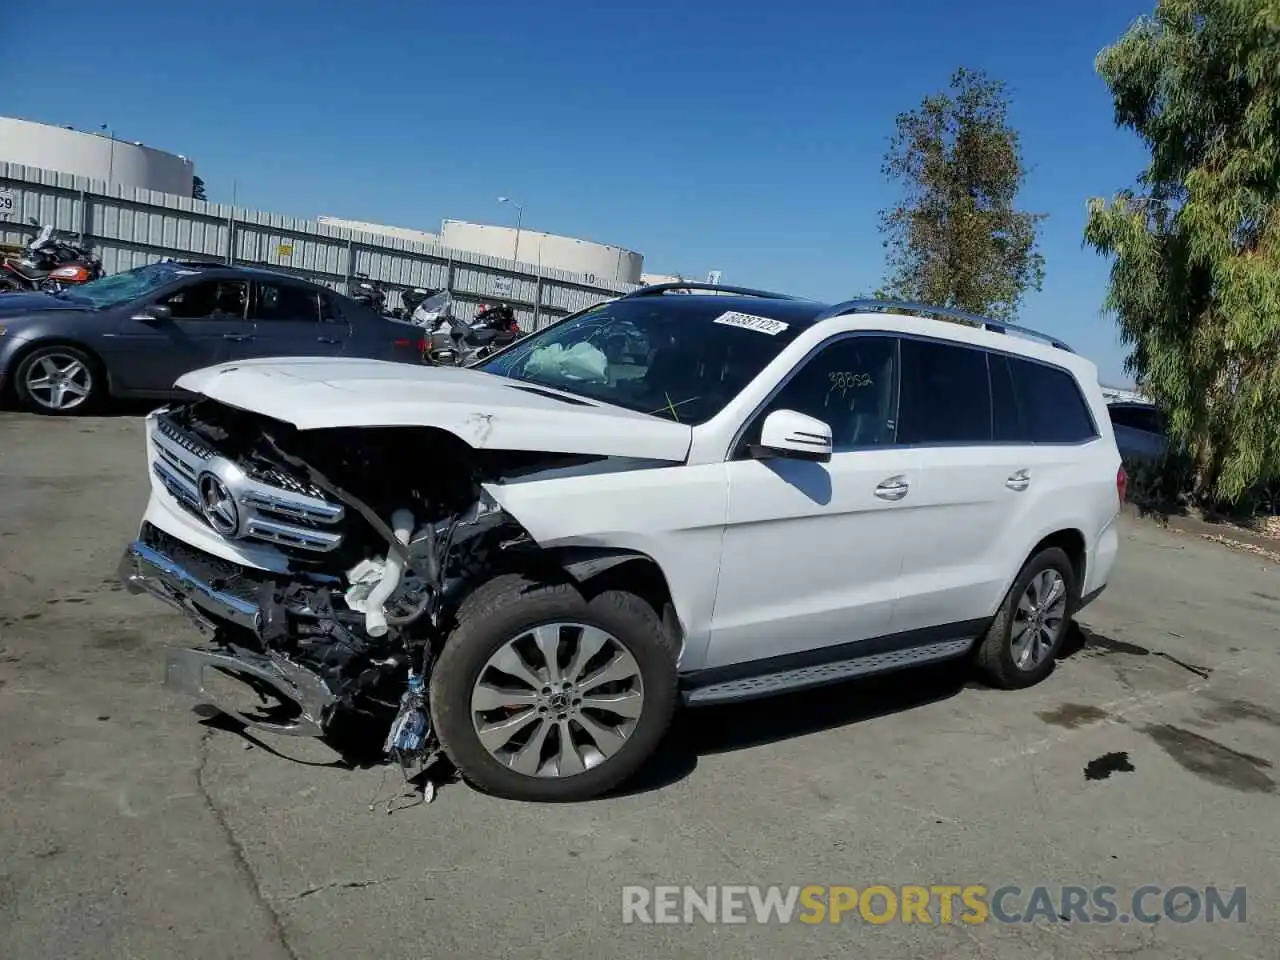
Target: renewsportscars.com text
point(935, 904)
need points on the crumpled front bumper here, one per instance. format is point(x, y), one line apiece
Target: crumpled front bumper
point(146, 570)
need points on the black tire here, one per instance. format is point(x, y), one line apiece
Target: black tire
point(994, 654)
point(499, 611)
point(95, 377)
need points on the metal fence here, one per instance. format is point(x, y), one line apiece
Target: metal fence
point(128, 227)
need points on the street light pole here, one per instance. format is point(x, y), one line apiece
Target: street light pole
point(519, 220)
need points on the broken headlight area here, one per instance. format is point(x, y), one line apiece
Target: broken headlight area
point(352, 627)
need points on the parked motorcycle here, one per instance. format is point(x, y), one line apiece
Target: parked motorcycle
point(499, 317)
point(50, 262)
point(369, 292)
point(451, 342)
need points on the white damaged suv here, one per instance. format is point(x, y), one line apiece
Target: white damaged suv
point(685, 494)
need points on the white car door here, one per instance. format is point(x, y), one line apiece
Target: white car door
point(985, 488)
point(812, 550)
point(954, 556)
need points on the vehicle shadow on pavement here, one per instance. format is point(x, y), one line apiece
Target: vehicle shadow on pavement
point(721, 729)
point(357, 743)
point(711, 730)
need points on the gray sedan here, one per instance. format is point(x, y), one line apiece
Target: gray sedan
point(134, 333)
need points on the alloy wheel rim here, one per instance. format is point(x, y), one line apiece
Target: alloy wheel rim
point(59, 381)
point(1037, 619)
point(557, 700)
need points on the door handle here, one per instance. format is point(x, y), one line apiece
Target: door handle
point(327, 340)
point(237, 337)
point(1019, 480)
point(894, 488)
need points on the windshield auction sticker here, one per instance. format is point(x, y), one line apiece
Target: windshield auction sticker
point(748, 322)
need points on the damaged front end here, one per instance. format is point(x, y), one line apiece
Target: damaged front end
point(355, 546)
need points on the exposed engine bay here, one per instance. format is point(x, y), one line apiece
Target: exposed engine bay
point(385, 531)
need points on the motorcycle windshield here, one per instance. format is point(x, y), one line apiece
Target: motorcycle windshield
point(437, 303)
point(44, 238)
point(432, 309)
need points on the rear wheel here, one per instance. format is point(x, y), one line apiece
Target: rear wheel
point(1024, 638)
point(57, 380)
point(541, 694)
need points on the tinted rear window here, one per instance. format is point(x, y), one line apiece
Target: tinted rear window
point(1139, 418)
point(945, 396)
point(1050, 407)
point(1006, 424)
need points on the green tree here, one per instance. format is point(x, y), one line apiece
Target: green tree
point(1195, 249)
point(197, 189)
point(955, 238)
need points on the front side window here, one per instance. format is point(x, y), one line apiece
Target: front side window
point(680, 358)
point(946, 397)
point(329, 310)
point(850, 386)
point(209, 299)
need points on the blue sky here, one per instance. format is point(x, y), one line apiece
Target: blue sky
point(744, 137)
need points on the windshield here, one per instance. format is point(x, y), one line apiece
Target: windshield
point(123, 287)
point(681, 358)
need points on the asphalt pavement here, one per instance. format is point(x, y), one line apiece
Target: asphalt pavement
point(131, 827)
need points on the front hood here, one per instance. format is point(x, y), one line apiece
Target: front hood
point(14, 305)
point(483, 410)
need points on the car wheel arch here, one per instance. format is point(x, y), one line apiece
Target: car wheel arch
point(1068, 538)
point(598, 569)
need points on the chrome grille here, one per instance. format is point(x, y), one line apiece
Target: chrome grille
point(285, 511)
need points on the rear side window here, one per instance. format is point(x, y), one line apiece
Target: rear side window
point(946, 394)
point(1050, 406)
point(1006, 424)
point(286, 302)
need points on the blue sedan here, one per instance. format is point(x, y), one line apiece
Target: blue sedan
point(133, 334)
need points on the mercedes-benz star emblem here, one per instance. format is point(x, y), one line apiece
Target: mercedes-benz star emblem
point(218, 506)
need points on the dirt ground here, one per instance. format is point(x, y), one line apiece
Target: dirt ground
point(130, 827)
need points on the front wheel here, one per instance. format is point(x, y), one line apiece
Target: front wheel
point(541, 694)
point(1023, 640)
point(57, 380)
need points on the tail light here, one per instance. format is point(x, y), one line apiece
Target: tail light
point(1122, 484)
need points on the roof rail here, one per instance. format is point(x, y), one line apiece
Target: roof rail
point(657, 289)
point(973, 319)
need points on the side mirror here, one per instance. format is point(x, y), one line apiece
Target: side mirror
point(157, 311)
point(793, 435)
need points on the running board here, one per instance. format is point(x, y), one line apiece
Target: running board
point(800, 678)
